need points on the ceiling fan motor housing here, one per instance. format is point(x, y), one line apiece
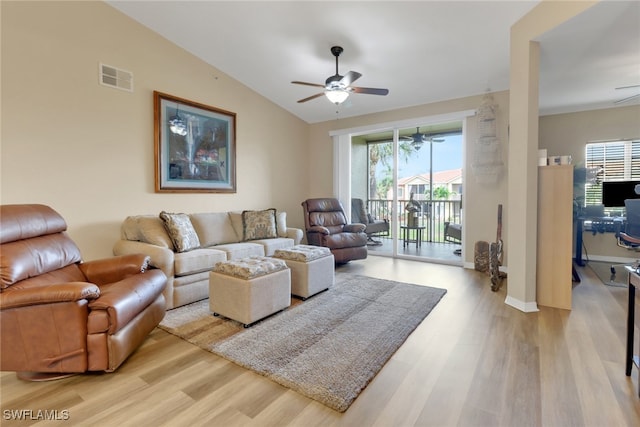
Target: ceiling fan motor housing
point(333, 82)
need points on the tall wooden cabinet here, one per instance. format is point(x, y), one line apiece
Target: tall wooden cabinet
point(555, 236)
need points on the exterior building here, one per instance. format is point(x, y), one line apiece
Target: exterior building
point(451, 180)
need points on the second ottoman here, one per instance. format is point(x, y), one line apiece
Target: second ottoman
point(312, 269)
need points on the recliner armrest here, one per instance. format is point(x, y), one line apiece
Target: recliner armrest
point(162, 258)
point(64, 292)
point(125, 299)
point(354, 228)
point(318, 229)
point(111, 270)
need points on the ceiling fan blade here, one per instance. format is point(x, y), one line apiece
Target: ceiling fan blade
point(307, 84)
point(629, 98)
point(350, 77)
point(627, 87)
point(370, 90)
point(309, 98)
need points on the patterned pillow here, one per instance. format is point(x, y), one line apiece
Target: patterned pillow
point(259, 224)
point(180, 230)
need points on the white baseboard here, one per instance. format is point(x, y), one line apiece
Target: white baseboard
point(527, 307)
point(472, 266)
point(612, 259)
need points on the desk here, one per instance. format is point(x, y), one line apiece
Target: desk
point(406, 238)
point(608, 223)
point(634, 280)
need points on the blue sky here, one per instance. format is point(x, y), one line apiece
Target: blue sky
point(446, 155)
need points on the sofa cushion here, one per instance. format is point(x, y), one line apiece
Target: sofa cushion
point(214, 228)
point(236, 223)
point(197, 260)
point(242, 250)
point(281, 224)
point(271, 245)
point(259, 224)
point(146, 228)
point(181, 231)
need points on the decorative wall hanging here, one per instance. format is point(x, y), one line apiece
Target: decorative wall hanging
point(487, 162)
point(195, 146)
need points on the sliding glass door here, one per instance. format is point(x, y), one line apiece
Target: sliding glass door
point(411, 178)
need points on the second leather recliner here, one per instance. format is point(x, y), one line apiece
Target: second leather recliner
point(326, 225)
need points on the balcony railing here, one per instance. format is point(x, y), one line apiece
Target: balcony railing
point(432, 215)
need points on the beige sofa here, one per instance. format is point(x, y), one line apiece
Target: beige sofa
point(219, 236)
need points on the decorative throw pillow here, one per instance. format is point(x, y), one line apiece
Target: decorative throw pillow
point(259, 224)
point(181, 231)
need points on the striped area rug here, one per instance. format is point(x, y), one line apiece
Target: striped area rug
point(328, 347)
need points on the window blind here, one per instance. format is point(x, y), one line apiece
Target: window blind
point(613, 161)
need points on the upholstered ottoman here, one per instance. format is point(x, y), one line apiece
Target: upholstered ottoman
point(312, 268)
point(249, 289)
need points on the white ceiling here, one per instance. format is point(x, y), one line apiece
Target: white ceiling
point(422, 51)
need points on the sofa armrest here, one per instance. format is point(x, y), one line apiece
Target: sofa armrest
point(296, 234)
point(162, 258)
point(111, 270)
point(63, 292)
point(356, 227)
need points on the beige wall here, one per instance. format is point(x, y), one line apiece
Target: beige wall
point(567, 134)
point(87, 150)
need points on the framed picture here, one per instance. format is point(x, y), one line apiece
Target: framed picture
point(195, 146)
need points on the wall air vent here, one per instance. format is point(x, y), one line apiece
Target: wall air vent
point(116, 78)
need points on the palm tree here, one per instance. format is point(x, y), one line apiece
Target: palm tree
point(382, 152)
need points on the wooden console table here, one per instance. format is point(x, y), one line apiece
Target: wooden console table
point(634, 280)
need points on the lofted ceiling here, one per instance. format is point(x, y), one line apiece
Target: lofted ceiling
point(422, 51)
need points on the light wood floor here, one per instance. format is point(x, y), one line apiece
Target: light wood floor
point(474, 361)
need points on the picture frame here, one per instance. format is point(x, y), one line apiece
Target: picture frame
point(195, 146)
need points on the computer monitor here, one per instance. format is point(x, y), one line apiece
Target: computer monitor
point(614, 193)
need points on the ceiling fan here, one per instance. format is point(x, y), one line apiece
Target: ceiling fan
point(337, 88)
point(417, 139)
point(628, 98)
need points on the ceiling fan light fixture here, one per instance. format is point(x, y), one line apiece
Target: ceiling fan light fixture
point(418, 139)
point(337, 96)
point(177, 125)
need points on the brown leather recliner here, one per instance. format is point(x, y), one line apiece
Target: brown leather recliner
point(60, 316)
point(326, 225)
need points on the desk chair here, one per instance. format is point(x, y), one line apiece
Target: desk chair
point(630, 237)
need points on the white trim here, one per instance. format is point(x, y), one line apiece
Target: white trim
point(424, 121)
point(472, 266)
point(611, 259)
point(527, 307)
point(342, 171)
